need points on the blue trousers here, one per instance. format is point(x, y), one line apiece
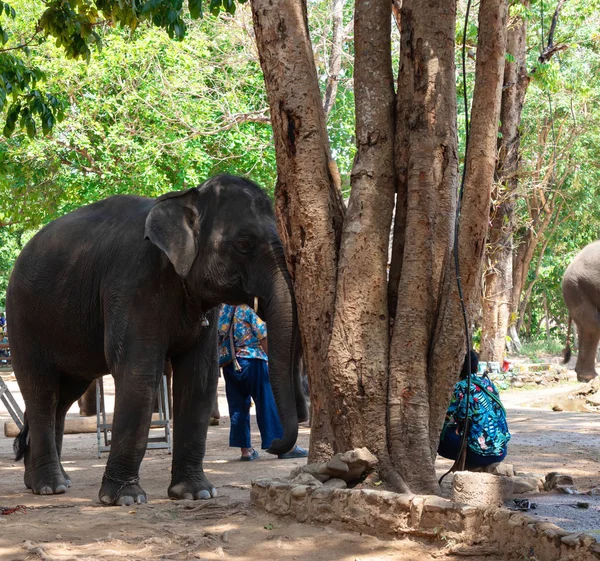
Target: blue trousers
point(251, 382)
point(450, 446)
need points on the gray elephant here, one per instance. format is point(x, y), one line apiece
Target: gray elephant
point(581, 291)
point(125, 283)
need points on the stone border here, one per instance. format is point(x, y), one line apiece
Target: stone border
point(426, 516)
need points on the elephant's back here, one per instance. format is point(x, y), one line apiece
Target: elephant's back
point(583, 273)
point(54, 297)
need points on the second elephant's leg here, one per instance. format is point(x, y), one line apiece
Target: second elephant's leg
point(136, 385)
point(195, 376)
point(71, 389)
point(87, 402)
point(586, 359)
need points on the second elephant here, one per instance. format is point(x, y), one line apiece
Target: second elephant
point(581, 291)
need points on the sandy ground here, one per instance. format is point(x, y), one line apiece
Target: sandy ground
point(75, 527)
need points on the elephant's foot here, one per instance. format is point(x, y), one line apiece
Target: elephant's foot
point(65, 475)
point(586, 376)
point(46, 482)
point(199, 488)
point(120, 492)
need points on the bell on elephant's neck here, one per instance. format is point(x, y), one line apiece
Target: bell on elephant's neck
point(204, 321)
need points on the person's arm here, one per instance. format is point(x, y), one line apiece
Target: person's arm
point(259, 327)
point(264, 345)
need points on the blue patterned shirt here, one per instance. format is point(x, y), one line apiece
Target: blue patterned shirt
point(489, 432)
point(248, 330)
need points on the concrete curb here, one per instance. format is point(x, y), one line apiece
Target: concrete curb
point(426, 516)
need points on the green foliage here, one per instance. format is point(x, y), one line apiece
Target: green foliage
point(21, 99)
point(540, 348)
point(147, 115)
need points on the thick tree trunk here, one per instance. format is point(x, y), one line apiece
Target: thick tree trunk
point(358, 354)
point(498, 285)
point(308, 201)
point(427, 166)
point(365, 389)
point(428, 340)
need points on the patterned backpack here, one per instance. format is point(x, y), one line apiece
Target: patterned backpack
point(489, 430)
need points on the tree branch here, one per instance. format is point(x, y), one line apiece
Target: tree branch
point(552, 49)
point(22, 45)
point(335, 58)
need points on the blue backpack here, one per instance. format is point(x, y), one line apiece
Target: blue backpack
point(489, 433)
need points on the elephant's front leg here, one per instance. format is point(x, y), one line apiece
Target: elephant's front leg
point(195, 377)
point(136, 385)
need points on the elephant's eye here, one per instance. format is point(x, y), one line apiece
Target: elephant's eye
point(243, 244)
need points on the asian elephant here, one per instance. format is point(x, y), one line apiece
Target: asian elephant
point(581, 291)
point(125, 283)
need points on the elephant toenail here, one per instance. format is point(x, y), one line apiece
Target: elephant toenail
point(188, 496)
point(125, 501)
point(213, 492)
point(141, 499)
point(46, 491)
point(60, 489)
point(105, 499)
point(204, 494)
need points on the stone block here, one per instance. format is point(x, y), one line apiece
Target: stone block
point(335, 483)
point(306, 479)
point(404, 501)
point(523, 484)
point(481, 489)
point(555, 479)
point(438, 504)
point(299, 492)
point(336, 466)
point(317, 470)
point(571, 540)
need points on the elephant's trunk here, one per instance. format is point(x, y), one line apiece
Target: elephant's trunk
point(280, 315)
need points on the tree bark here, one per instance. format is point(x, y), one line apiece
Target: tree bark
point(359, 349)
point(370, 385)
point(308, 200)
point(428, 341)
point(498, 284)
point(427, 164)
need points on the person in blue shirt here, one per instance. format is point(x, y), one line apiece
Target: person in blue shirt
point(247, 377)
point(488, 435)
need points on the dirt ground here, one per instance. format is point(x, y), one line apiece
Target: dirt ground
point(75, 526)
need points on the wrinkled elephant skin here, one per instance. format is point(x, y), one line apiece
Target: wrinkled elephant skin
point(124, 284)
point(581, 291)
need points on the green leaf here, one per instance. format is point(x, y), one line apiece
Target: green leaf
point(195, 7)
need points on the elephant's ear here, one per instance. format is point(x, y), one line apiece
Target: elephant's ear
point(173, 225)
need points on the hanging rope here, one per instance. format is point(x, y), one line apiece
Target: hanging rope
point(459, 463)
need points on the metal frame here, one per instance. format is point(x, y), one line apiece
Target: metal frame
point(11, 405)
point(104, 428)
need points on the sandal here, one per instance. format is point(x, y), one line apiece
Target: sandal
point(296, 452)
point(249, 458)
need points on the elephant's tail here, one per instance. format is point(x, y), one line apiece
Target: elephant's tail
point(21, 442)
point(567, 349)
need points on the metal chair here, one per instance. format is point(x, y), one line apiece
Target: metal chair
point(11, 405)
point(104, 428)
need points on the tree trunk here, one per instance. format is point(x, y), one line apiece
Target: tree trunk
point(498, 284)
point(335, 58)
point(308, 201)
point(372, 386)
point(359, 349)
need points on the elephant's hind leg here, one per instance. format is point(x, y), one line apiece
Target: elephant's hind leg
point(41, 392)
point(589, 336)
